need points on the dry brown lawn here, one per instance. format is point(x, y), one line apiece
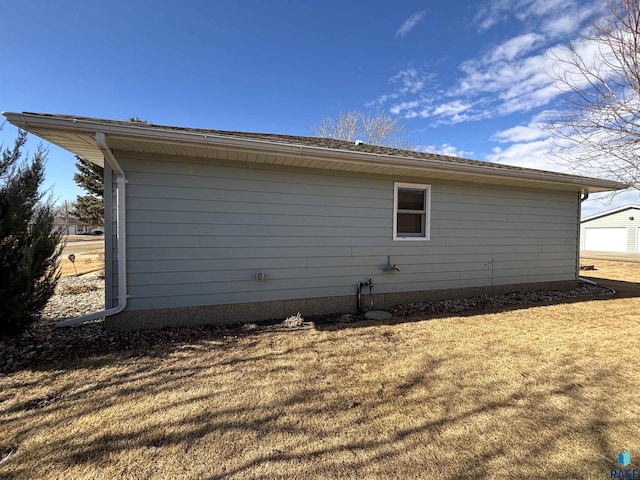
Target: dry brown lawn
point(540, 392)
point(89, 253)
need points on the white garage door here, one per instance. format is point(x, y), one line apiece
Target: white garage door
point(606, 239)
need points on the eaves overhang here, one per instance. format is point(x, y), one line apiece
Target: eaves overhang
point(77, 135)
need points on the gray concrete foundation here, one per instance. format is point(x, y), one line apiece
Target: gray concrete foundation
point(281, 309)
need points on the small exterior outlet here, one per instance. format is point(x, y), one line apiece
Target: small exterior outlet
point(260, 276)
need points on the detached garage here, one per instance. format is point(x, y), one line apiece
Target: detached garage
point(612, 231)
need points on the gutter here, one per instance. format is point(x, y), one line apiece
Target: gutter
point(121, 233)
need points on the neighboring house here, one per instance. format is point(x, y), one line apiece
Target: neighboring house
point(210, 226)
point(72, 226)
point(612, 231)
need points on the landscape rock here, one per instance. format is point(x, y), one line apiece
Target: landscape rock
point(484, 302)
point(378, 315)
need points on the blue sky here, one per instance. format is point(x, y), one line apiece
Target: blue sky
point(468, 78)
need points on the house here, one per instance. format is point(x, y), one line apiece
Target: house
point(68, 225)
point(211, 226)
point(612, 231)
point(72, 226)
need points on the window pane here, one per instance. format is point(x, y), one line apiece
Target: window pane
point(409, 199)
point(411, 224)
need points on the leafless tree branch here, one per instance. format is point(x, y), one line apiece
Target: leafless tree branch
point(373, 129)
point(598, 131)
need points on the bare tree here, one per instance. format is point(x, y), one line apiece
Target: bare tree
point(598, 131)
point(378, 129)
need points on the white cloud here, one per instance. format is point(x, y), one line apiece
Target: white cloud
point(520, 133)
point(492, 13)
point(451, 108)
point(515, 47)
point(381, 100)
point(515, 75)
point(528, 155)
point(562, 25)
point(540, 8)
point(551, 16)
point(445, 149)
point(531, 146)
point(410, 23)
point(400, 107)
point(410, 80)
point(521, 83)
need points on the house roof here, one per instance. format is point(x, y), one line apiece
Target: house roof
point(61, 220)
point(610, 212)
point(77, 135)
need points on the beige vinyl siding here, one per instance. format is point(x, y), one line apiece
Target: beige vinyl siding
point(198, 233)
point(616, 220)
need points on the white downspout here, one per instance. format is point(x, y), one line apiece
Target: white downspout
point(583, 197)
point(121, 233)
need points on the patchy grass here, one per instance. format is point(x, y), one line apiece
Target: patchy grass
point(89, 255)
point(85, 263)
point(542, 392)
point(612, 269)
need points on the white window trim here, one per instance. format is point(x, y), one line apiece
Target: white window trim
point(427, 213)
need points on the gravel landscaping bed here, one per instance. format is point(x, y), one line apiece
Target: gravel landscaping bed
point(485, 302)
point(76, 296)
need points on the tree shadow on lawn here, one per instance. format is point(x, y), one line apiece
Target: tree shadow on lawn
point(554, 419)
point(95, 351)
point(421, 424)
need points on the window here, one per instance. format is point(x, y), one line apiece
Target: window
point(411, 205)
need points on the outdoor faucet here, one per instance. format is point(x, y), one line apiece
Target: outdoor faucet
point(369, 284)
